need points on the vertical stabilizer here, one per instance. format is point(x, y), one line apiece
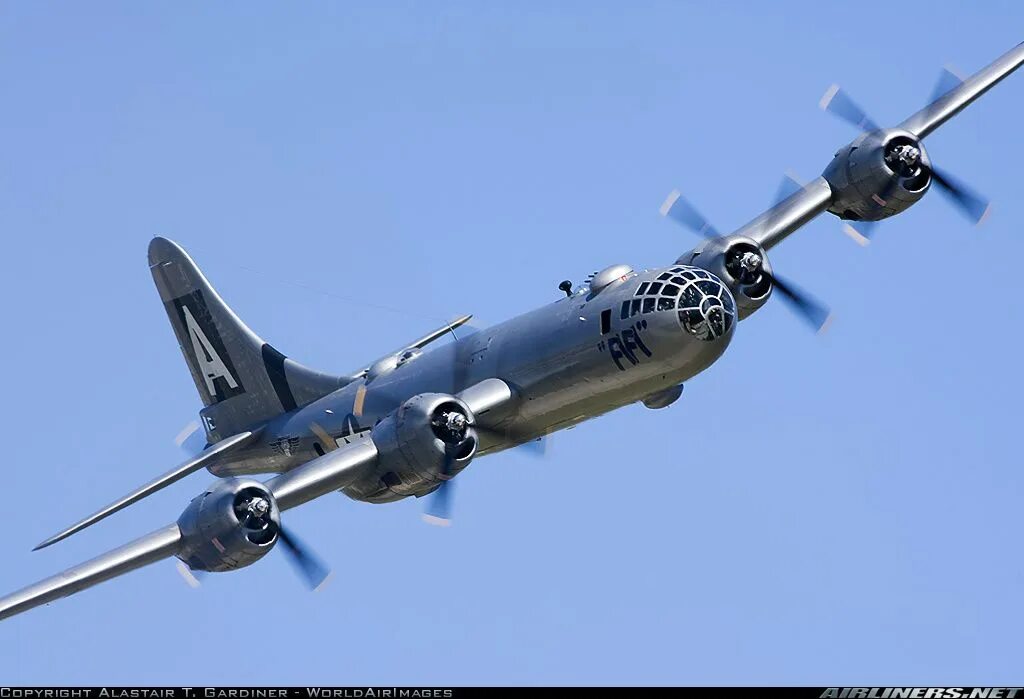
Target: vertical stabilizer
point(241, 379)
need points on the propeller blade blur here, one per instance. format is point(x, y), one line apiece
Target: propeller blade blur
point(682, 211)
point(860, 231)
point(192, 578)
point(836, 101)
point(789, 186)
point(191, 439)
point(438, 510)
point(537, 448)
point(814, 312)
point(313, 571)
point(948, 81)
point(972, 205)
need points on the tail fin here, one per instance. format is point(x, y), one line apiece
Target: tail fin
point(242, 380)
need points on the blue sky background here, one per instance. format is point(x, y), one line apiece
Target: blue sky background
point(843, 509)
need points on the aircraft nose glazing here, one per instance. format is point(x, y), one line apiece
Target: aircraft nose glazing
point(707, 310)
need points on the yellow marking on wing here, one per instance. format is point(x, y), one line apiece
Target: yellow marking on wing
point(357, 407)
point(328, 441)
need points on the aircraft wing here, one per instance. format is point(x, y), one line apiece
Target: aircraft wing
point(790, 214)
point(320, 476)
point(311, 480)
point(205, 458)
point(151, 548)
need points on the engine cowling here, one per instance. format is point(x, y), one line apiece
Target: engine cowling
point(428, 440)
point(725, 258)
point(878, 175)
point(232, 524)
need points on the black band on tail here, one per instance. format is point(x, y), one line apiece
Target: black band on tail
point(274, 362)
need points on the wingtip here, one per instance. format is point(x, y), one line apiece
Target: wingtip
point(52, 540)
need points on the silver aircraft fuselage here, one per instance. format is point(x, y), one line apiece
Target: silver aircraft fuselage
point(568, 361)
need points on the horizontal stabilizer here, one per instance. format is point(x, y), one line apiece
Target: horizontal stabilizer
point(200, 461)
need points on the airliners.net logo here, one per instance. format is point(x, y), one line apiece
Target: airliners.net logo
point(922, 693)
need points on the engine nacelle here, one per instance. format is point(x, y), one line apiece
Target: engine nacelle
point(878, 175)
point(233, 524)
point(429, 439)
point(723, 258)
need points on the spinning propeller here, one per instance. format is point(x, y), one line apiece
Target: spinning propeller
point(748, 265)
point(191, 440)
point(904, 159)
point(313, 570)
point(254, 516)
point(453, 428)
